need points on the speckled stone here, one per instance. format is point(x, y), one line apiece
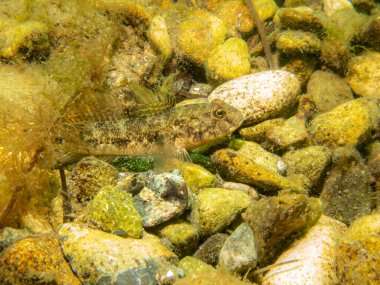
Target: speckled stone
point(313, 255)
point(10, 235)
point(35, 260)
point(96, 256)
point(261, 95)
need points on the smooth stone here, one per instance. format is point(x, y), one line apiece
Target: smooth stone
point(35, 260)
point(238, 253)
point(252, 192)
point(312, 258)
point(215, 208)
point(208, 251)
point(328, 90)
point(364, 75)
point(274, 219)
point(351, 123)
point(358, 258)
point(112, 210)
point(97, 256)
point(164, 196)
point(261, 95)
point(191, 265)
point(257, 133)
point(298, 42)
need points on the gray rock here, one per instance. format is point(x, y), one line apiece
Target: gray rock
point(209, 251)
point(238, 253)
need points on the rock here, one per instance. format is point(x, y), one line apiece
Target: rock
point(364, 6)
point(198, 34)
point(11, 235)
point(299, 18)
point(88, 177)
point(310, 161)
point(298, 42)
point(261, 95)
point(159, 37)
point(98, 257)
point(57, 212)
point(257, 154)
point(274, 219)
point(252, 192)
point(163, 197)
point(257, 133)
point(191, 265)
point(35, 260)
point(239, 168)
point(373, 160)
point(112, 210)
point(228, 61)
point(179, 236)
point(346, 192)
point(201, 90)
point(328, 90)
point(364, 75)
point(335, 55)
point(312, 258)
point(353, 122)
point(238, 253)
point(301, 65)
point(332, 6)
point(215, 208)
point(358, 256)
point(208, 252)
point(371, 34)
point(292, 132)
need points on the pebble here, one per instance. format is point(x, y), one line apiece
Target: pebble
point(238, 253)
point(257, 133)
point(371, 34)
point(261, 95)
point(36, 259)
point(164, 197)
point(215, 208)
point(358, 258)
point(98, 257)
point(350, 123)
point(10, 235)
point(191, 265)
point(159, 37)
point(209, 250)
point(298, 42)
point(332, 6)
point(311, 259)
point(364, 75)
point(299, 18)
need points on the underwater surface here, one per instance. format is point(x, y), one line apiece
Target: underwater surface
point(190, 142)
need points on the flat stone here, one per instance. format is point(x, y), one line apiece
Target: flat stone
point(293, 42)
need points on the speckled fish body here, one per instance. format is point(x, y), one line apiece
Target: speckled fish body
point(186, 127)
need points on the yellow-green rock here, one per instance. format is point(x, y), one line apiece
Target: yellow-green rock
point(159, 37)
point(349, 123)
point(198, 34)
point(236, 167)
point(291, 42)
point(265, 9)
point(112, 210)
point(364, 75)
point(228, 61)
point(191, 265)
point(215, 208)
point(258, 132)
point(358, 257)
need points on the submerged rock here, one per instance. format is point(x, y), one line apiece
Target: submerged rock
point(209, 251)
point(11, 235)
point(261, 95)
point(35, 260)
point(98, 257)
point(298, 42)
point(191, 265)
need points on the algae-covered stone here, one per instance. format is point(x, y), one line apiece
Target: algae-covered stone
point(259, 155)
point(257, 133)
point(328, 90)
point(238, 253)
point(261, 95)
point(228, 61)
point(335, 54)
point(89, 176)
point(310, 161)
point(35, 260)
point(346, 192)
point(198, 34)
point(332, 6)
point(215, 208)
point(292, 42)
point(159, 37)
point(112, 210)
point(179, 236)
point(371, 34)
point(11, 235)
point(299, 18)
point(364, 75)
point(209, 251)
point(358, 256)
point(98, 257)
point(242, 169)
point(312, 258)
point(373, 160)
point(191, 265)
point(292, 132)
point(301, 65)
point(349, 123)
point(274, 219)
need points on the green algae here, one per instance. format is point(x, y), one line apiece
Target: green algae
point(136, 164)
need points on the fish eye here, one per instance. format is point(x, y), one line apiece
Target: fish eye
point(219, 113)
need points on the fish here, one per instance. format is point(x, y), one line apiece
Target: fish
point(178, 130)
